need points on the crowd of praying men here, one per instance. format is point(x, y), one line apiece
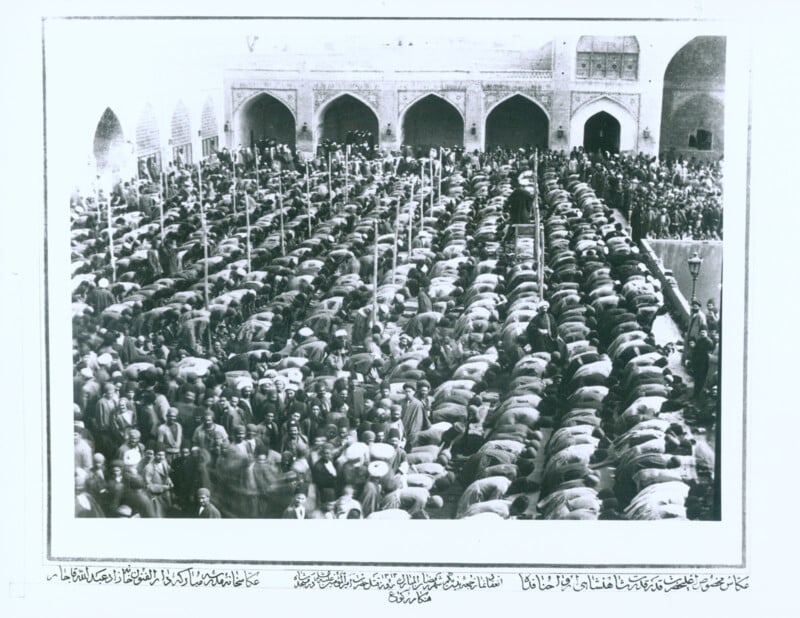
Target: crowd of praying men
point(372, 342)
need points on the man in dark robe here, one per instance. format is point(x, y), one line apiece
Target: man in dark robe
point(413, 415)
point(541, 330)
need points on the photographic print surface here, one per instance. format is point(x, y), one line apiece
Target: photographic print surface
point(389, 269)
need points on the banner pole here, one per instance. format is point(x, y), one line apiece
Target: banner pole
point(205, 235)
point(308, 203)
point(111, 244)
point(280, 205)
point(233, 190)
point(375, 278)
point(247, 224)
point(330, 183)
point(163, 181)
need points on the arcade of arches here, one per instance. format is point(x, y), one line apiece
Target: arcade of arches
point(691, 118)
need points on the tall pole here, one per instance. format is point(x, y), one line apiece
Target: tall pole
point(539, 239)
point(536, 234)
point(162, 201)
point(330, 183)
point(280, 205)
point(375, 278)
point(346, 171)
point(440, 174)
point(431, 185)
point(394, 252)
point(256, 157)
point(308, 203)
point(233, 191)
point(111, 244)
point(410, 218)
point(247, 224)
point(205, 236)
point(205, 251)
point(421, 198)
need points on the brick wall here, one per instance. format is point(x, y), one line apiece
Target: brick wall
point(147, 134)
point(181, 126)
point(208, 121)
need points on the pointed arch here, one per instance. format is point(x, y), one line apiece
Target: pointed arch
point(601, 131)
point(148, 139)
point(516, 121)
point(432, 121)
point(628, 124)
point(346, 115)
point(693, 100)
point(109, 142)
point(265, 117)
point(422, 97)
point(208, 120)
point(700, 59)
point(181, 134)
point(209, 129)
point(518, 94)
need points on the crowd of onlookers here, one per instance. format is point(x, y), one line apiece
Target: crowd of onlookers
point(293, 386)
point(662, 198)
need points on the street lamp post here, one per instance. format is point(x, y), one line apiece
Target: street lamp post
point(695, 262)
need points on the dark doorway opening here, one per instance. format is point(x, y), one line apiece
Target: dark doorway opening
point(432, 122)
point(601, 132)
point(266, 118)
point(517, 123)
point(349, 121)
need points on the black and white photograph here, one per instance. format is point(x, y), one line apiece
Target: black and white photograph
point(408, 274)
point(453, 268)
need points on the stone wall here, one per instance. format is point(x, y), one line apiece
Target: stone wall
point(676, 301)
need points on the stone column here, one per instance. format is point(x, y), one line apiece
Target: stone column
point(560, 108)
point(388, 115)
point(651, 81)
point(473, 117)
point(306, 141)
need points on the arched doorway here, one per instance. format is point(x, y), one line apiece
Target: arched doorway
point(432, 122)
point(515, 123)
point(601, 132)
point(347, 120)
point(693, 109)
point(109, 144)
point(266, 118)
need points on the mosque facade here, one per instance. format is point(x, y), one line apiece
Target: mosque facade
point(616, 93)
